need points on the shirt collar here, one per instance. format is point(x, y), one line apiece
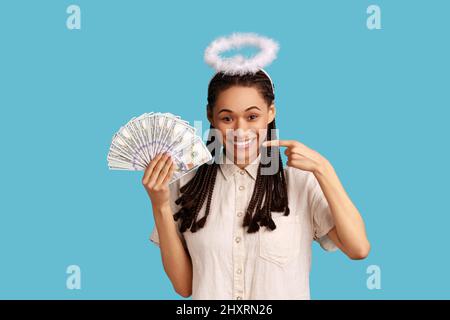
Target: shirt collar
point(228, 168)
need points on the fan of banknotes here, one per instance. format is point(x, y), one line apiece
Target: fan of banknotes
point(144, 137)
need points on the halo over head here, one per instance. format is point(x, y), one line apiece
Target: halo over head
point(238, 64)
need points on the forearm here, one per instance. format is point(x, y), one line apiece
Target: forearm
point(349, 224)
point(177, 262)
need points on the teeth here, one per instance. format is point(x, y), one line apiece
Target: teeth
point(243, 143)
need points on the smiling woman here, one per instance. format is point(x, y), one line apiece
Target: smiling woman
point(241, 124)
point(242, 231)
point(240, 127)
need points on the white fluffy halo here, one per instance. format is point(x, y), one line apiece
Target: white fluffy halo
point(238, 64)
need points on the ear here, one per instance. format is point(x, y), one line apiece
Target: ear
point(272, 113)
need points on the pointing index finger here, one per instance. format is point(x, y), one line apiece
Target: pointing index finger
point(280, 143)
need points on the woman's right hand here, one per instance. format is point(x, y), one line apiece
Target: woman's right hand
point(156, 179)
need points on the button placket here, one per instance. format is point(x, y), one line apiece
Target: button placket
point(238, 242)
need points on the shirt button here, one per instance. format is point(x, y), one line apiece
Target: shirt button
point(242, 172)
point(241, 188)
point(238, 239)
point(239, 214)
point(239, 271)
point(238, 298)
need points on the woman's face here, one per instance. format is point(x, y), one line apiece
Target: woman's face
point(241, 115)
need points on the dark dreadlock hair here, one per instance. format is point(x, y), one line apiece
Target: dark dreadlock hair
point(270, 192)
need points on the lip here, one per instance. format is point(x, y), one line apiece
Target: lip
point(243, 143)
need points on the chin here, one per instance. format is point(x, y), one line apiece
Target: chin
point(245, 156)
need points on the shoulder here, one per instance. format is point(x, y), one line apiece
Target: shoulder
point(299, 178)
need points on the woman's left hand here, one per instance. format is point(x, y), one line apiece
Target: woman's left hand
point(299, 155)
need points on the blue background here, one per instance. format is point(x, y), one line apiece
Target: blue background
point(374, 102)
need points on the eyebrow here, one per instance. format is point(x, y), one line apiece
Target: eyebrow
point(249, 108)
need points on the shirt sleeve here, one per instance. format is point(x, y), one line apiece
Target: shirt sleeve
point(174, 194)
point(322, 218)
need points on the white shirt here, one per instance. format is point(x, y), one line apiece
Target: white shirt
point(229, 263)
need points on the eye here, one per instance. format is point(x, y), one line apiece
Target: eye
point(226, 119)
point(253, 117)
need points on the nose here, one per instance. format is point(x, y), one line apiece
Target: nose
point(241, 133)
point(240, 125)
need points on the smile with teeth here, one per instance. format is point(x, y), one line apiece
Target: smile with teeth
point(244, 143)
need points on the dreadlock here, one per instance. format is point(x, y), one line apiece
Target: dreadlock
point(270, 191)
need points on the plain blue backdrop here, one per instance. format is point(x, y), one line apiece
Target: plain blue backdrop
point(374, 102)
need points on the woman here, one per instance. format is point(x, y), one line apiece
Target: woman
point(239, 234)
